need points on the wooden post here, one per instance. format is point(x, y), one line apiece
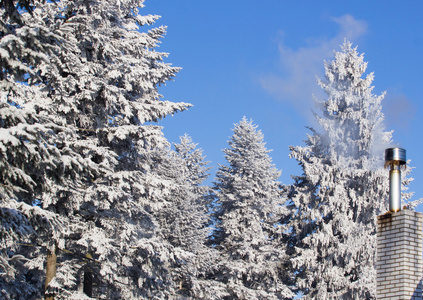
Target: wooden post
point(50, 270)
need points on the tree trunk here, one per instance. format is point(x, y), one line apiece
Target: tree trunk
point(88, 277)
point(50, 270)
point(88, 281)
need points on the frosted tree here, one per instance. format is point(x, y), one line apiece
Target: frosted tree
point(105, 84)
point(343, 187)
point(249, 201)
point(184, 218)
point(35, 156)
point(89, 75)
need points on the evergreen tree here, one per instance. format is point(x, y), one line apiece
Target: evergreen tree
point(79, 83)
point(249, 201)
point(184, 218)
point(343, 187)
point(37, 156)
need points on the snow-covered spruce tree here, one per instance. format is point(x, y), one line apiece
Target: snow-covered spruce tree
point(343, 187)
point(97, 77)
point(248, 200)
point(35, 149)
point(35, 157)
point(184, 218)
point(105, 83)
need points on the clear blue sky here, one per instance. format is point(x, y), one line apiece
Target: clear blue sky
point(260, 59)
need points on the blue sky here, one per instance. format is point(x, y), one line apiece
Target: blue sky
point(260, 59)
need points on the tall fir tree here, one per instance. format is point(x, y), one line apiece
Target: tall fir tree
point(37, 156)
point(79, 83)
point(248, 200)
point(343, 187)
point(184, 219)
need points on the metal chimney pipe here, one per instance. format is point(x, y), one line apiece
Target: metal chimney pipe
point(395, 158)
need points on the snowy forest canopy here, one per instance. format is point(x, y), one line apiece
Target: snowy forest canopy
point(96, 203)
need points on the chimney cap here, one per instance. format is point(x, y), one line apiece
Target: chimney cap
point(396, 156)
